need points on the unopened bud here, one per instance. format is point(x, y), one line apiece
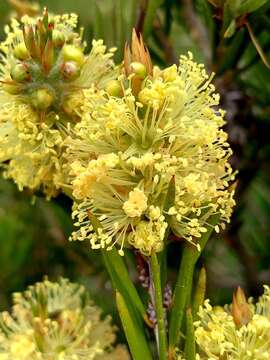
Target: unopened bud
point(73, 53)
point(21, 52)
point(58, 38)
point(114, 88)
point(42, 99)
point(70, 70)
point(20, 73)
point(241, 311)
point(138, 69)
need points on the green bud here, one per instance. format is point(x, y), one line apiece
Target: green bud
point(70, 70)
point(58, 38)
point(138, 69)
point(42, 99)
point(20, 73)
point(73, 53)
point(114, 88)
point(21, 52)
point(13, 89)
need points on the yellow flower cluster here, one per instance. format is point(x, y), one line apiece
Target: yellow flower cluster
point(150, 157)
point(220, 336)
point(43, 71)
point(57, 321)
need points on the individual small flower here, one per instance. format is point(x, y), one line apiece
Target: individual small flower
point(129, 152)
point(43, 73)
point(136, 203)
point(57, 321)
point(221, 335)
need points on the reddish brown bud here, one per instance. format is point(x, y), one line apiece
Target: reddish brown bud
point(30, 43)
point(241, 311)
point(137, 54)
point(48, 56)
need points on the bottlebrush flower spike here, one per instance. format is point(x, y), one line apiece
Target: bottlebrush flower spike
point(43, 74)
point(151, 161)
point(224, 333)
point(57, 321)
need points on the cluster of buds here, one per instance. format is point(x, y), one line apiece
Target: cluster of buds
point(43, 74)
point(44, 63)
point(137, 67)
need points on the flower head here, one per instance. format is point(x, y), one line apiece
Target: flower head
point(151, 159)
point(43, 71)
point(219, 335)
point(56, 321)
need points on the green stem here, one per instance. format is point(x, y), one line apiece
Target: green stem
point(162, 339)
point(183, 286)
point(181, 293)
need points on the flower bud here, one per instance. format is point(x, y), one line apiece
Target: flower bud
point(20, 73)
point(42, 99)
point(241, 311)
point(114, 88)
point(70, 70)
point(21, 52)
point(137, 52)
point(58, 38)
point(138, 69)
point(73, 53)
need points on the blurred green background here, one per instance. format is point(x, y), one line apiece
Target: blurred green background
point(232, 38)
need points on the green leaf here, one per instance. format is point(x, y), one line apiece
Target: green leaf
point(230, 30)
point(216, 3)
point(120, 27)
point(183, 284)
point(132, 15)
point(232, 52)
point(249, 6)
point(121, 280)
point(119, 273)
point(258, 46)
point(98, 23)
point(199, 293)
point(151, 10)
point(135, 337)
point(170, 196)
point(228, 16)
point(190, 349)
